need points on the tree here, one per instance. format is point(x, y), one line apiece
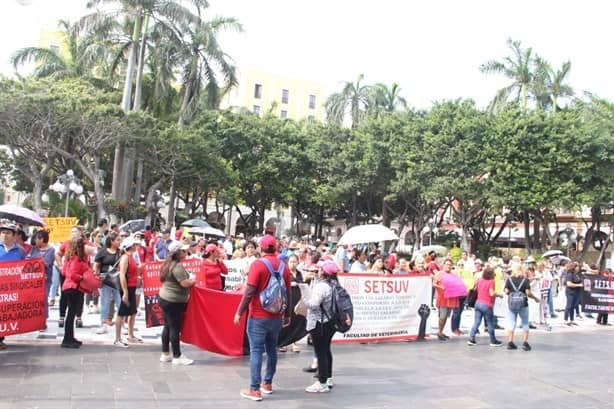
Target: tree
point(389, 99)
point(354, 100)
point(550, 86)
point(519, 68)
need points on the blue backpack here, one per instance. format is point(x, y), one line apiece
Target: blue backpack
point(274, 297)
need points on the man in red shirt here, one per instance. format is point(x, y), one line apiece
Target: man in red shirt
point(263, 327)
point(444, 305)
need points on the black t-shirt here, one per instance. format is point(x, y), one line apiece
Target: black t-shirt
point(520, 286)
point(575, 278)
point(106, 259)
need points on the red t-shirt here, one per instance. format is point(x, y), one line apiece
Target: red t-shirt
point(132, 278)
point(258, 277)
point(212, 272)
point(73, 270)
point(442, 301)
point(484, 287)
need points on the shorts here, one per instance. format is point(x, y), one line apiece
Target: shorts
point(444, 312)
point(130, 309)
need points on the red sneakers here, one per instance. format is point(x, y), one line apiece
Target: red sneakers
point(250, 394)
point(266, 388)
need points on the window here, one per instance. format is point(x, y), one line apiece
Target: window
point(312, 102)
point(283, 114)
point(285, 94)
point(258, 91)
point(256, 109)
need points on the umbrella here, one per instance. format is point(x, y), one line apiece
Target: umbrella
point(367, 233)
point(435, 247)
point(20, 215)
point(552, 253)
point(207, 231)
point(560, 259)
point(195, 223)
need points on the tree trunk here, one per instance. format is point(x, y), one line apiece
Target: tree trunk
point(170, 220)
point(536, 225)
point(185, 101)
point(527, 233)
point(138, 89)
point(139, 182)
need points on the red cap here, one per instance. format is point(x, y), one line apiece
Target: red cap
point(267, 242)
point(210, 248)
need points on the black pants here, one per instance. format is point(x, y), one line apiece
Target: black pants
point(173, 320)
point(321, 337)
point(74, 298)
point(602, 319)
point(63, 303)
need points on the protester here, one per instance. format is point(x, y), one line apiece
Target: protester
point(249, 247)
point(9, 250)
point(320, 326)
point(518, 282)
point(402, 267)
point(296, 278)
point(445, 305)
point(573, 289)
point(75, 265)
point(128, 278)
point(213, 268)
point(484, 307)
point(42, 249)
point(22, 239)
point(467, 277)
point(359, 266)
point(263, 327)
point(105, 261)
point(91, 300)
point(161, 246)
point(341, 257)
point(174, 294)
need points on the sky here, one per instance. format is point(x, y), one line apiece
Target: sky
point(432, 49)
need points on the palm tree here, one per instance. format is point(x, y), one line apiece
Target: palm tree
point(353, 99)
point(518, 68)
point(550, 85)
point(83, 55)
point(388, 99)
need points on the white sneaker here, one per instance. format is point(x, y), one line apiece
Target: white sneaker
point(166, 357)
point(329, 383)
point(102, 330)
point(121, 344)
point(317, 387)
point(183, 360)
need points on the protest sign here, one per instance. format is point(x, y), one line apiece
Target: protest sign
point(59, 228)
point(598, 294)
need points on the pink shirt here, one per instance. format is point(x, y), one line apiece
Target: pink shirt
point(484, 296)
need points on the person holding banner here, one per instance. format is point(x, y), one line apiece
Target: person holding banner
point(173, 295)
point(263, 327)
point(42, 249)
point(76, 263)
point(9, 251)
point(445, 305)
point(213, 268)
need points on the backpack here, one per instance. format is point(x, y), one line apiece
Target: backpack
point(274, 297)
point(517, 298)
point(341, 307)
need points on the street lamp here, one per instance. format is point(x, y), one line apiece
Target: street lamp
point(65, 184)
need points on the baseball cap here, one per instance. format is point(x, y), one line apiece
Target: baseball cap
point(329, 267)
point(127, 243)
point(175, 246)
point(8, 225)
point(211, 248)
point(268, 242)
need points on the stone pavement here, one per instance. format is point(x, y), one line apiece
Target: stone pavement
point(568, 368)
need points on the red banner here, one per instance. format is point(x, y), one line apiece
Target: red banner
point(22, 296)
point(208, 322)
point(151, 286)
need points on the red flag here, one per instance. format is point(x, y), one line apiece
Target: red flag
point(208, 322)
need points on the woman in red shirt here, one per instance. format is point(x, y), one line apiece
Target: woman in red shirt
point(75, 265)
point(484, 307)
point(128, 278)
point(213, 268)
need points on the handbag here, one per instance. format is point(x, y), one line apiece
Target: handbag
point(90, 282)
point(111, 277)
point(472, 296)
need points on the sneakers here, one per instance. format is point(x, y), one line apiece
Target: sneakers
point(250, 394)
point(182, 360)
point(310, 369)
point(442, 337)
point(79, 323)
point(496, 343)
point(266, 388)
point(121, 344)
point(166, 357)
point(526, 346)
point(102, 330)
point(317, 387)
point(61, 322)
point(511, 345)
point(329, 383)
point(471, 342)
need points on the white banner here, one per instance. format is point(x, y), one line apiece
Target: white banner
point(385, 307)
point(235, 276)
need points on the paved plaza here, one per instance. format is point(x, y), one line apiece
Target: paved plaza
point(568, 368)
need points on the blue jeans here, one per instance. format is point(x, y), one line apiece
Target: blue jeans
point(573, 301)
point(513, 316)
point(483, 310)
point(55, 283)
point(106, 293)
point(456, 314)
point(263, 335)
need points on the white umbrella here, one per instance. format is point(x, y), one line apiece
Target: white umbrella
point(559, 259)
point(435, 247)
point(552, 253)
point(367, 233)
point(207, 231)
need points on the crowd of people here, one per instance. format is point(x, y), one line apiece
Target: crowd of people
point(110, 252)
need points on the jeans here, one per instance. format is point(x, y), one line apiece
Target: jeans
point(322, 336)
point(173, 321)
point(483, 310)
point(513, 316)
point(73, 299)
point(573, 301)
point(550, 302)
point(106, 293)
point(263, 335)
point(456, 314)
point(48, 284)
point(55, 283)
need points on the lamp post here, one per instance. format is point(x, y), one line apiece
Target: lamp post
point(431, 224)
point(67, 183)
